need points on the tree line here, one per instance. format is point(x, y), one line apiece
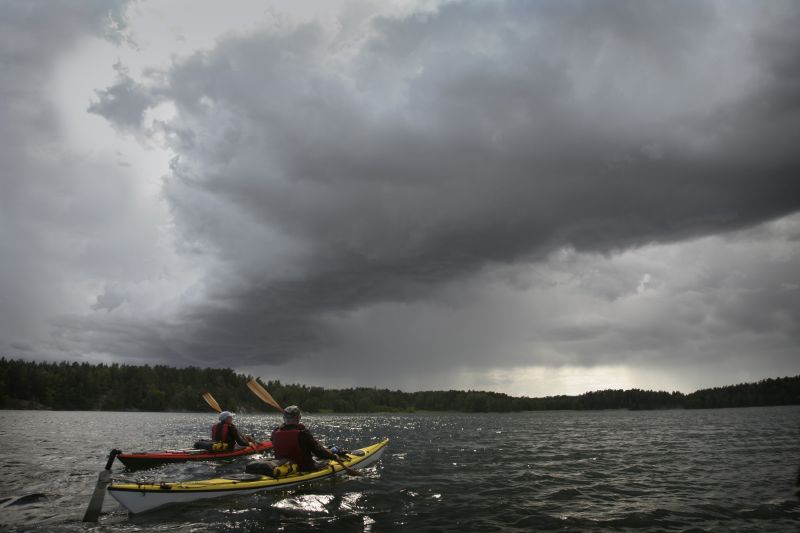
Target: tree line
point(115, 387)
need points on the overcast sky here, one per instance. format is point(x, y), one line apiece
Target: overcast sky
point(529, 197)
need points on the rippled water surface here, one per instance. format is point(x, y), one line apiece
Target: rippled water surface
point(706, 470)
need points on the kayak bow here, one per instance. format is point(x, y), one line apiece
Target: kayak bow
point(139, 498)
point(141, 460)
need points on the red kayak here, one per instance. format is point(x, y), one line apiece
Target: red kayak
point(140, 460)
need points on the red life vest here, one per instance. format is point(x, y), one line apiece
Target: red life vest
point(219, 432)
point(286, 444)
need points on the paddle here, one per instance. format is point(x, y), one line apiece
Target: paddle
point(212, 402)
point(96, 503)
point(262, 393)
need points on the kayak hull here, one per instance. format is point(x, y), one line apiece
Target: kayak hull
point(140, 498)
point(140, 461)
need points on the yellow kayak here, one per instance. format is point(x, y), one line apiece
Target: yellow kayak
point(138, 498)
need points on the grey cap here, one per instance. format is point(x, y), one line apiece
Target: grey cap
point(291, 414)
point(224, 415)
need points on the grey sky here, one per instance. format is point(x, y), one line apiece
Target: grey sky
point(536, 198)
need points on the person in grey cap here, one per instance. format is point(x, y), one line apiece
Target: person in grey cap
point(227, 434)
point(294, 442)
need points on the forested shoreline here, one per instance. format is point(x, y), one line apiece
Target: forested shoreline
point(115, 387)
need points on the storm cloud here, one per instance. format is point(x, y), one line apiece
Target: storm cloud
point(445, 187)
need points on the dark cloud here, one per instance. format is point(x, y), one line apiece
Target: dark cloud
point(125, 103)
point(326, 173)
point(695, 314)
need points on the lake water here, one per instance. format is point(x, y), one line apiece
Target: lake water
point(704, 470)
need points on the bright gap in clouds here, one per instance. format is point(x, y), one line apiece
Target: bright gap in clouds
point(129, 171)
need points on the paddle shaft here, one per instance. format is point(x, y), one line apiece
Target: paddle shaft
point(262, 393)
point(215, 406)
point(348, 469)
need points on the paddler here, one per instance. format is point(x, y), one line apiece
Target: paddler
point(226, 433)
point(294, 442)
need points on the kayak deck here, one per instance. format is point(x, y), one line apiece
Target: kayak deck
point(142, 460)
point(139, 498)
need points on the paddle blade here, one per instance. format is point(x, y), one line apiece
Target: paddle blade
point(96, 503)
point(212, 402)
point(262, 393)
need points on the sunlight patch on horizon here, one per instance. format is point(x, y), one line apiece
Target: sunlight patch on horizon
point(541, 381)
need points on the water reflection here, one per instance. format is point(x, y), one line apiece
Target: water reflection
point(310, 503)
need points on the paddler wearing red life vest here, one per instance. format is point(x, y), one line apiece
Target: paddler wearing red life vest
point(225, 432)
point(294, 441)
